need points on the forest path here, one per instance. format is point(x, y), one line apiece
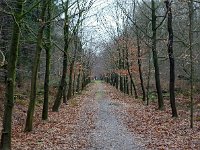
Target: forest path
point(102, 118)
point(110, 133)
point(92, 120)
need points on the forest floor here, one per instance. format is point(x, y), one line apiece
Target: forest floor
point(102, 118)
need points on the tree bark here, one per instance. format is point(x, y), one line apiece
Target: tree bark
point(31, 107)
point(74, 82)
point(133, 83)
point(171, 60)
point(130, 75)
point(116, 81)
point(61, 92)
point(47, 71)
point(69, 93)
point(148, 77)
point(78, 82)
point(140, 67)
point(191, 20)
point(155, 58)
point(12, 62)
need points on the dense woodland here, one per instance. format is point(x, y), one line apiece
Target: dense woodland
point(46, 58)
point(153, 53)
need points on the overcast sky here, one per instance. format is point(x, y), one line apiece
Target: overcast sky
point(101, 22)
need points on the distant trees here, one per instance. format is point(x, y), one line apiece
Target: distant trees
point(151, 26)
point(36, 27)
point(46, 46)
point(72, 45)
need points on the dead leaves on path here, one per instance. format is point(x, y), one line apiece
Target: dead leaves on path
point(157, 129)
point(65, 130)
point(69, 128)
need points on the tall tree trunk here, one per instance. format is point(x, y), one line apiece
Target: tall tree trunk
point(78, 82)
point(140, 66)
point(155, 58)
point(74, 82)
point(130, 75)
point(83, 80)
point(61, 92)
point(120, 67)
point(12, 62)
point(133, 83)
point(121, 83)
point(171, 60)
point(127, 85)
point(116, 81)
point(47, 71)
point(131, 88)
point(31, 107)
point(64, 92)
point(191, 20)
point(148, 77)
point(76, 46)
point(124, 84)
point(69, 93)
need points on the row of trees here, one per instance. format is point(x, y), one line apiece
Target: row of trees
point(46, 37)
point(151, 33)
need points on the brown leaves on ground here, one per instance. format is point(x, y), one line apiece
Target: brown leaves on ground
point(64, 130)
point(70, 128)
point(157, 129)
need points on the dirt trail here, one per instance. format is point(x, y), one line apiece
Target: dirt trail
point(110, 133)
point(92, 120)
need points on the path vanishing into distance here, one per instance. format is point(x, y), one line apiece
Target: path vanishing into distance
point(102, 118)
point(110, 132)
point(92, 120)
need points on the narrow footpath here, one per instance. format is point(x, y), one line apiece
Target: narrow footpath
point(110, 133)
point(92, 120)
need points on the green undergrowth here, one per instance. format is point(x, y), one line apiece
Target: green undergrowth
point(21, 102)
point(73, 102)
point(97, 81)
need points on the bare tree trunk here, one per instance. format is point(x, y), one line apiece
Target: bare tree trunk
point(155, 58)
point(171, 60)
point(65, 92)
point(12, 62)
point(191, 20)
point(133, 84)
point(78, 82)
point(47, 71)
point(31, 107)
point(127, 85)
point(74, 81)
point(61, 92)
point(121, 83)
point(148, 77)
point(116, 81)
point(130, 75)
point(69, 93)
point(140, 67)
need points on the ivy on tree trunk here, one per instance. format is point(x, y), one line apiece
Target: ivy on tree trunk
point(12, 62)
